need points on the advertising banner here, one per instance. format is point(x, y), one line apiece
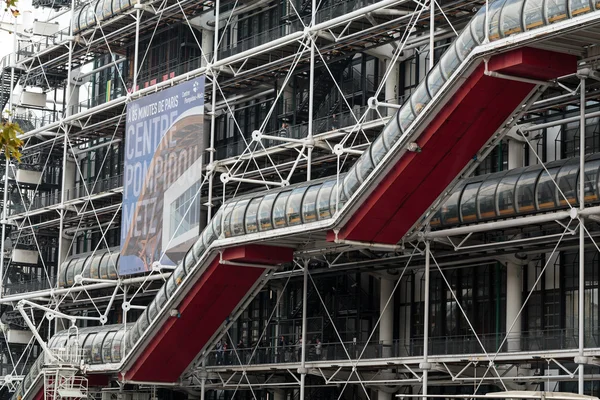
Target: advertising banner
point(164, 143)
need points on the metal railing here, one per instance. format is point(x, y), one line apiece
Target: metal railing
point(52, 198)
point(445, 345)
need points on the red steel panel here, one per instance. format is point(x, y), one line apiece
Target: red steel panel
point(204, 309)
point(448, 143)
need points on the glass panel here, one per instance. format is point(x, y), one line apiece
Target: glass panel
point(227, 218)
point(132, 336)
point(546, 189)
point(580, 7)
point(189, 261)
point(161, 297)
point(405, 117)
point(335, 196)
point(486, 198)
point(591, 181)
point(419, 99)
point(64, 272)
point(97, 347)
point(106, 9)
point(125, 4)
point(510, 21)
point(104, 266)
point(435, 80)
point(93, 267)
point(264, 212)
point(556, 10)
point(87, 345)
point(152, 310)
point(526, 191)
point(378, 148)
point(294, 206)
point(107, 347)
point(323, 207)
point(567, 183)
point(450, 62)
point(198, 248)
point(251, 218)
point(237, 218)
point(116, 6)
point(506, 194)
point(179, 274)
point(309, 204)
point(216, 225)
point(91, 20)
point(364, 166)
point(533, 14)
point(116, 346)
point(279, 209)
point(74, 269)
point(113, 265)
point(350, 183)
point(82, 18)
point(171, 286)
point(477, 25)
point(468, 207)
point(208, 236)
point(494, 16)
point(465, 44)
point(391, 133)
point(436, 220)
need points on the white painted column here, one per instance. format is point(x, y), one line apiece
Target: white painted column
point(514, 293)
point(391, 85)
point(386, 325)
point(515, 154)
point(208, 37)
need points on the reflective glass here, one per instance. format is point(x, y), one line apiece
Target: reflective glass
point(91, 19)
point(309, 204)
point(556, 10)
point(113, 265)
point(546, 189)
point(294, 206)
point(227, 219)
point(237, 217)
point(580, 7)
point(468, 207)
point(436, 220)
point(104, 266)
point(116, 6)
point(63, 275)
point(486, 198)
point(116, 351)
point(125, 4)
point(526, 191)
point(364, 166)
point(74, 269)
point(251, 217)
point(279, 209)
point(323, 207)
point(264, 212)
point(337, 196)
point(378, 148)
point(171, 286)
point(494, 16)
point(465, 44)
point(208, 236)
point(350, 183)
point(216, 225)
point(107, 347)
point(189, 261)
point(97, 347)
point(87, 345)
point(567, 183)
point(405, 117)
point(505, 194)
point(199, 247)
point(83, 17)
point(179, 274)
point(450, 61)
point(510, 20)
point(419, 99)
point(477, 25)
point(591, 181)
point(132, 336)
point(435, 80)
point(533, 14)
point(391, 133)
point(93, 267)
